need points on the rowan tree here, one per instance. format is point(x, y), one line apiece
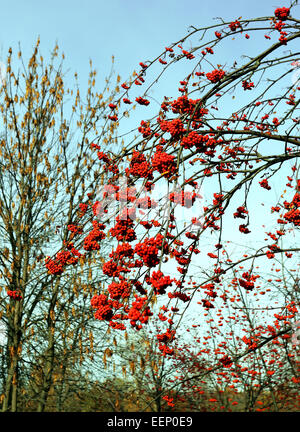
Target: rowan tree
point(196, 140)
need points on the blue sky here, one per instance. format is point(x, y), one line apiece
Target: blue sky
point(130, 30)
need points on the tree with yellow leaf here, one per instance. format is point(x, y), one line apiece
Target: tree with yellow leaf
point(46, 170)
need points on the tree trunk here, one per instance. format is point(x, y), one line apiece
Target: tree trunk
point(13, 354)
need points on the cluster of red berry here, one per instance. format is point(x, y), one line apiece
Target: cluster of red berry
point(62, 258)
point(139, 166)
point(282, 13)
point(110, 268)
point(215, 76)
point(123, 250)
point(247, 85)
point(160, 282)
point(251, 342)
point(16, 295)
point(117, 290)
point(174, 127)
point(293, 215)
point(264, 184)
point(240, 212)
point(207, 304)
point(136, 314)
point(167, 336)
point(164, 163)
point(177, 294)
point(123, 229)
point(188, 55)
point(83, 209)
point(248, 285)
point(243, 229)
point(234, 25)
point(182, 105)
point(113, 117)
point(148, 251)
point(54, 267)
point(75, 229)
point(91, 240)
point(103, 306)
point(165, 350)
point(142, 101)
point(144, 129)
point(194, 139)
point(226, 361)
